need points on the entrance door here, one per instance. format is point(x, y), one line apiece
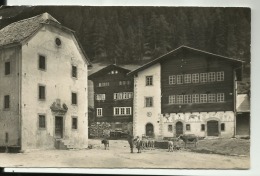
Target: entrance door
point(179, 129)
point(58, 126)
point(149, 129)
point(212, 128)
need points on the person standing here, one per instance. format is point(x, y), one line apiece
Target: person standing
point(130, 139)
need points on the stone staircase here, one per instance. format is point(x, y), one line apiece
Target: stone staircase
point(63, 144)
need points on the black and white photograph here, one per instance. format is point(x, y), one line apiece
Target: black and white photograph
point(138, 87)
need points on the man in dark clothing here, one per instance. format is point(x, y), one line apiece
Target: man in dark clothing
point(130, 139)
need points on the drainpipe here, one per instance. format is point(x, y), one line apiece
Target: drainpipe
point(20, 94)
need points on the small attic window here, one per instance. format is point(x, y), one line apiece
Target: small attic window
point(58, 41)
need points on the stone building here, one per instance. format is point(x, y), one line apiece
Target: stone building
point(43, 85)
point(186, 91)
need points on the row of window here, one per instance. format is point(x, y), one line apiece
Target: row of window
point(202, 128)
point(196, 98)
point(196, 78)
point(42, 95)
point(121, 83)
point(42, 122)
point(117, 111)
point(117, 96)
point(41, 66)
point(190, 78)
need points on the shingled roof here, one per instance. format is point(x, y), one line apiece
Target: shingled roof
point(21, 30)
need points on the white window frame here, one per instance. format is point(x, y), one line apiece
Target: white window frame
point(203, 98)
point(99, 112)
point(179, 79)
point(195, 98)
point(195, 78)
point(100, 97)
point(122, 111)
point(187, 99)
point(172, 79)
point(203, 77)
point(172, 99)
point(211, 98)
point(179, 99)
point(220, 76)
point(187, 78)
point(220, 97)
point(211, 77)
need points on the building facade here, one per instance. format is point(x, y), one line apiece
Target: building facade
point(113, 97)
point(186, 91)
point(43, 88)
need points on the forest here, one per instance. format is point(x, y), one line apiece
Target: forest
point(130, 35)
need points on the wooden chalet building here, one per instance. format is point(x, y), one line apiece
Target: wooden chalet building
point(186, 91)
point(113, 98)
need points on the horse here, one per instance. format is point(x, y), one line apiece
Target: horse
point(189, 138)
point(106, 143)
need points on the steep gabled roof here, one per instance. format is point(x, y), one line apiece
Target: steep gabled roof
point(181, 49)
point(17, 32)
point(108, 68)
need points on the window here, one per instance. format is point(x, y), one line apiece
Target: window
point(149, 80)
point(220, 97)
point(128, 111)
point(41, 92)
point(211, 76)
point(170, 128)
point(195, 78)
point(187, 78)
point(116, 111)
point(6, 101)
point(74, 72)
point(42, 123)
point(122, 110)
point(74, 124)
point(103, 84)
point(195, 98)
point(99, 112)
point(220, 76)
point(203, 98)
point(211, 98)
point(120, 83)
point(7, 68)
point(100, 97)
point(222, 126)
point(203, 77)
point(187, 127)
point(171, 99)
point(148, 101)
point(42, 62)
point(187, 98)
point(118, 125)
point(179, 99)
point(179, 79)
point(202, 128)
point(74, 98)
point(172, 79)
point(123, 95)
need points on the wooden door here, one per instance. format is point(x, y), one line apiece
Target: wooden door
point(212, 128)
point(58, 127)
point(149, 129)
point(179, 129)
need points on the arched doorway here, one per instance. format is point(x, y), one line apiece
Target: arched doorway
point(149, 129)
point(179, 129)
point(212, 128)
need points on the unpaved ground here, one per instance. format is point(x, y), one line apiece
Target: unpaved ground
point(119, 156)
